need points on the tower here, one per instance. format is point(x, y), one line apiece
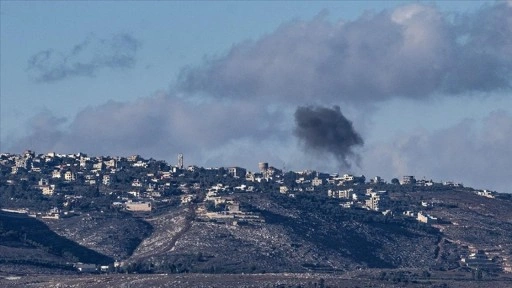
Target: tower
point(180, 160)
point(263, 166)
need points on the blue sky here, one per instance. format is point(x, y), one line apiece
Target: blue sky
point(159, 78)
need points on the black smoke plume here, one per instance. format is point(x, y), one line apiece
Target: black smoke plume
point(323, 129)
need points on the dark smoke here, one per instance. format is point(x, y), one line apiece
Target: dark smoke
point(324, 129)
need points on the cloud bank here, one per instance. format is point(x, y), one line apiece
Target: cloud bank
point(84, 59)
point(414, 51)
point(476, 153)
point(157, 126)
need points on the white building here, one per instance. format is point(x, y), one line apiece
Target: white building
point(187, 198)
point(377, 180)
point(407, 180)
point(136, 183)
point(346, 194)
point(138, 206)
point(377, 200)
point(343, 194)
point(85, 268)
point(348, 177)
point(485, 193)
point(56, 174)
point(140, 164)
point(317, 181)
point(69, 176)
point(111, 163)
point(106, 180)
point(425, 218)
point(48, 190)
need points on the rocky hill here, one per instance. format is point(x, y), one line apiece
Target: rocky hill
point(145, 216)
point(289, 235)
point(116, 235)
point(273, 232)
point(26, 242)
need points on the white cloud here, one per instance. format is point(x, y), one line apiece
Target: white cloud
point(476, 153)
point(414, 51)
point(156, 126)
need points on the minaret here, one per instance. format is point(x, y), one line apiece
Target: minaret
point(180, 161)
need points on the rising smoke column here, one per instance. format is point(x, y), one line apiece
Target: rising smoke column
point(326, 130)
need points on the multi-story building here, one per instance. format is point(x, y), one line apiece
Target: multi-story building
point(348, 177)
point(98, 166)
point(107, 180)
point(342, 194)
point(377, 180)
point(377, 201)
point(407, 180)
point(22, 163)
point(112, 163)
point(346, 194)
point(317, 181)
point(48, 190)
point(56, 174)
point(84, 162)
point(237, 172)
point(69, 176)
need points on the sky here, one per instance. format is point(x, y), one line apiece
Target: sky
point(386, 88)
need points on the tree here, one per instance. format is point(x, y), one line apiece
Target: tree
point(322, 283)
point(395, 181)
point(426, 274)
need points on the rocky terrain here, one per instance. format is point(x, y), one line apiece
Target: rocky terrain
point(297, 235)
point(116, 235)
point(28, 243)
point(301, 234)
point(149, 218)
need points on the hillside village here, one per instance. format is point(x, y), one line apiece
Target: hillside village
point(139, 185)
point(55, 186)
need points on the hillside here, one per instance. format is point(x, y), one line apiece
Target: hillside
point(145, 216)
point(116, 235)
point(293, 235)
point(25, 241)
point(309, 233)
